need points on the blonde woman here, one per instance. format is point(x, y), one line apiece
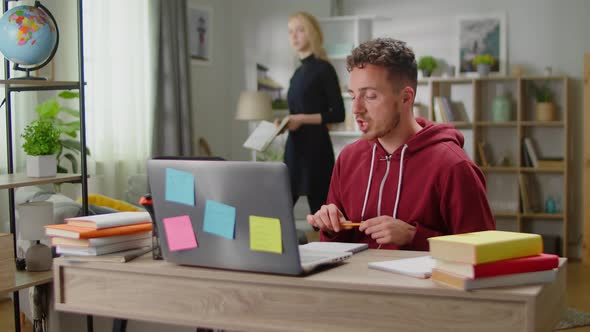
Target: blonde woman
point(315, 100)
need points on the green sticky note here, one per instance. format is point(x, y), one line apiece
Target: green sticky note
point(265, 234)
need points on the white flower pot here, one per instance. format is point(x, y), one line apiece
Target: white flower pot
point(41, 166)
point(483, 70)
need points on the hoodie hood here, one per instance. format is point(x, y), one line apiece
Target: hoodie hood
point(430, 135)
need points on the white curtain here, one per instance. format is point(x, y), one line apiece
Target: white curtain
point(119, 51)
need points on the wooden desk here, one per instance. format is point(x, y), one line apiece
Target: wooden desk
point(349, 297)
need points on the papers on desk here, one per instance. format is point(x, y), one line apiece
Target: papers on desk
point(418, 267)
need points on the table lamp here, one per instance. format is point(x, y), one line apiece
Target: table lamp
point(33, 216)
point(254, 105)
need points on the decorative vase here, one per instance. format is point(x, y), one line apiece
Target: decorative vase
point(545, 111)
point(501, 110)
point(483, 70)
point(41, 166)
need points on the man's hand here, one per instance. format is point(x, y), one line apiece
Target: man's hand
point(385, 230)
point(327, 218)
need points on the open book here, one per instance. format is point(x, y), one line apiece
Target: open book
point(264, 134)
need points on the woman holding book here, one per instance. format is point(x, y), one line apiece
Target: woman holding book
point(315, 101)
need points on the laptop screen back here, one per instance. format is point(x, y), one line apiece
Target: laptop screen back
point(196, 203)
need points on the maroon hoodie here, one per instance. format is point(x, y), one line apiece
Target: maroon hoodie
point(441, 190)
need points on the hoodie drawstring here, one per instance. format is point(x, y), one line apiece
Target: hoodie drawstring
point(369, 183)
point(399, 184)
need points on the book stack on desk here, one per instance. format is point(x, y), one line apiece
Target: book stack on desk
point(491, 259)
point(101, 234)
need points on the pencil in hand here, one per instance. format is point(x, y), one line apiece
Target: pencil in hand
point(350, 224)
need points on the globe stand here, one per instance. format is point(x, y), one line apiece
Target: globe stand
point(28, 75)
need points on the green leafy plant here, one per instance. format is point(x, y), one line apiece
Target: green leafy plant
point(67, 121)
point(542, 93)
point(41, 138)
point(483, 59)
point(427, 63)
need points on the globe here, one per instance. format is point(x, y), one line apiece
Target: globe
point(28, 36)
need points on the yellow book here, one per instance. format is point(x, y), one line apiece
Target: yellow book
point(485, 246)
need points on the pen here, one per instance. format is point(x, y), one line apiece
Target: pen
point(350, 224)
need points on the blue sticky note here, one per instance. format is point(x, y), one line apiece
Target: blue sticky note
point(180, 187)
point(220, 219)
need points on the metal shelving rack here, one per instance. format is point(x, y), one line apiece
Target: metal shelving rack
point(14, 180)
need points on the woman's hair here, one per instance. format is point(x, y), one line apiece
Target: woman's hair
point(313, 32)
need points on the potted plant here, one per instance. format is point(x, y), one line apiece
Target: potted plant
point(69, 146)
point(483, 62)
point(427, 64)
point(41, 143)
point(545, 108)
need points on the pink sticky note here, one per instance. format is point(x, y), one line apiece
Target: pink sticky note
point(180, 233)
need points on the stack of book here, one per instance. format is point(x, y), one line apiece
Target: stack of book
point(102, 234)
point(491, 259)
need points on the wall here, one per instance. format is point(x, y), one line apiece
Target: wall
point(539, 33)
point(244, 33)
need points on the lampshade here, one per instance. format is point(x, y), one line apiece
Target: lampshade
point(32, 217)
point(254, 105)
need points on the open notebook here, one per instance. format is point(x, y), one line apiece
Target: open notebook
point(229, 214)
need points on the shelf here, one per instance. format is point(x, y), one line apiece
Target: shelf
point(541, 170)
point(542, 123)
point(505, 214)
point(36, 85)
point(555, 216)
point(450, 80)
point(461, 124)
point(346, 133)
point(24, 279)
point(508, 124)
point(16, 180)
point(499, 169)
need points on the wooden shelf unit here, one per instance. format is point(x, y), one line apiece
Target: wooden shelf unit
point(505, 138)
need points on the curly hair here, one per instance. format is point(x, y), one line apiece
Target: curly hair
point(392, 54)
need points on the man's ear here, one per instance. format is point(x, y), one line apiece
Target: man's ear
point(408, 94)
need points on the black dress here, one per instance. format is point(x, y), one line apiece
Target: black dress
point(309, 154)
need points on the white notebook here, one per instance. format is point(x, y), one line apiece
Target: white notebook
point(334, 246)
point(264, 134)
point(419, 267)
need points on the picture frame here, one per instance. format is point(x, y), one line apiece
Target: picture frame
point(481, 34)
point(199, 33)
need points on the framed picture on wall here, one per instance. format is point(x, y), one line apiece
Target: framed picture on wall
point(199, 33)
point(482, 35)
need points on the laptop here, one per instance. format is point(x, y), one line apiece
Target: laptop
point(234, 215)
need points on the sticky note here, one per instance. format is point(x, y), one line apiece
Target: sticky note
point(180, 187)
point(220, 219)
point(265, 234)
point(179, 233)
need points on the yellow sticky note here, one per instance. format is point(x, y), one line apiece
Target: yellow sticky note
point(265, 234)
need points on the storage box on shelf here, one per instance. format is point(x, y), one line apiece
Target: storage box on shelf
point(501, 114)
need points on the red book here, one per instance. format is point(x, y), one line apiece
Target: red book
point(508, 266)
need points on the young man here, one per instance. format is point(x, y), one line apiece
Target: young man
point(407, 179)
